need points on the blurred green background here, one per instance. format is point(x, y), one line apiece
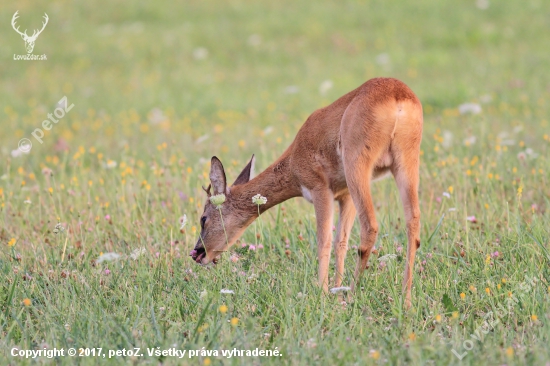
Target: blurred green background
point(159, 87)
point(261, 63)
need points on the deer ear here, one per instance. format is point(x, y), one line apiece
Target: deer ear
point(247, 172)
point(217, 176)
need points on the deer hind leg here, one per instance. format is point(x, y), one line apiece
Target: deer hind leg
point(407, 179)
point(405, 169)
point(361, 152)
point(345, 223)
point(323, 201)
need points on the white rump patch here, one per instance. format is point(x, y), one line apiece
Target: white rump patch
point(307, 194)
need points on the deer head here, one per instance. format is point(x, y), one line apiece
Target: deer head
point(221, 225)
point(29, 40)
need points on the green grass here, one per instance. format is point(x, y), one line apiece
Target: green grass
point(120, 61)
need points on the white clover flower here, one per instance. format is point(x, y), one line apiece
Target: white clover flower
point(325, 86)
point(470, 140)
point(531, 153)
point(259, 199)
point(58, 228)
point(18, 152)
point(136, 253)
point(217, 200)
point(383, 59)
point(335, 290)
point(447, 139)
point(254, 40)
point(183, 221)
point(111, 164)
point(108, 257)
point(387, 257)
point(472, 108)
point(200, 53)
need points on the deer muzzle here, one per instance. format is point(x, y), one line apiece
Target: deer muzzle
point(198, 254)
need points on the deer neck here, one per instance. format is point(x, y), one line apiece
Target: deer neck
point(276, 183)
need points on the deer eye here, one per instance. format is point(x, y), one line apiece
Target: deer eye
point(203, 221)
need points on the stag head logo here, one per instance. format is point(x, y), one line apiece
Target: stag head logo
point(29, 40)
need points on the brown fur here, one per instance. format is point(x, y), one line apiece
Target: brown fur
point(372, 130)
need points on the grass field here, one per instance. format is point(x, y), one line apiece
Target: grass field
point(159, 88)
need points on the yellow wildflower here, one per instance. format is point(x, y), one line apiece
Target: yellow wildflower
point(374, 354)
point(509, 351)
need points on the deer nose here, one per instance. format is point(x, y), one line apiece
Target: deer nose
point(198, 253)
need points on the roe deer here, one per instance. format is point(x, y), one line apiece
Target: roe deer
point(337, 153)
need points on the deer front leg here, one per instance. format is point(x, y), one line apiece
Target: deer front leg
point(345, 222)
point(323, 201)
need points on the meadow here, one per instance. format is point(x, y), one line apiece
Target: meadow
point(93, 250)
